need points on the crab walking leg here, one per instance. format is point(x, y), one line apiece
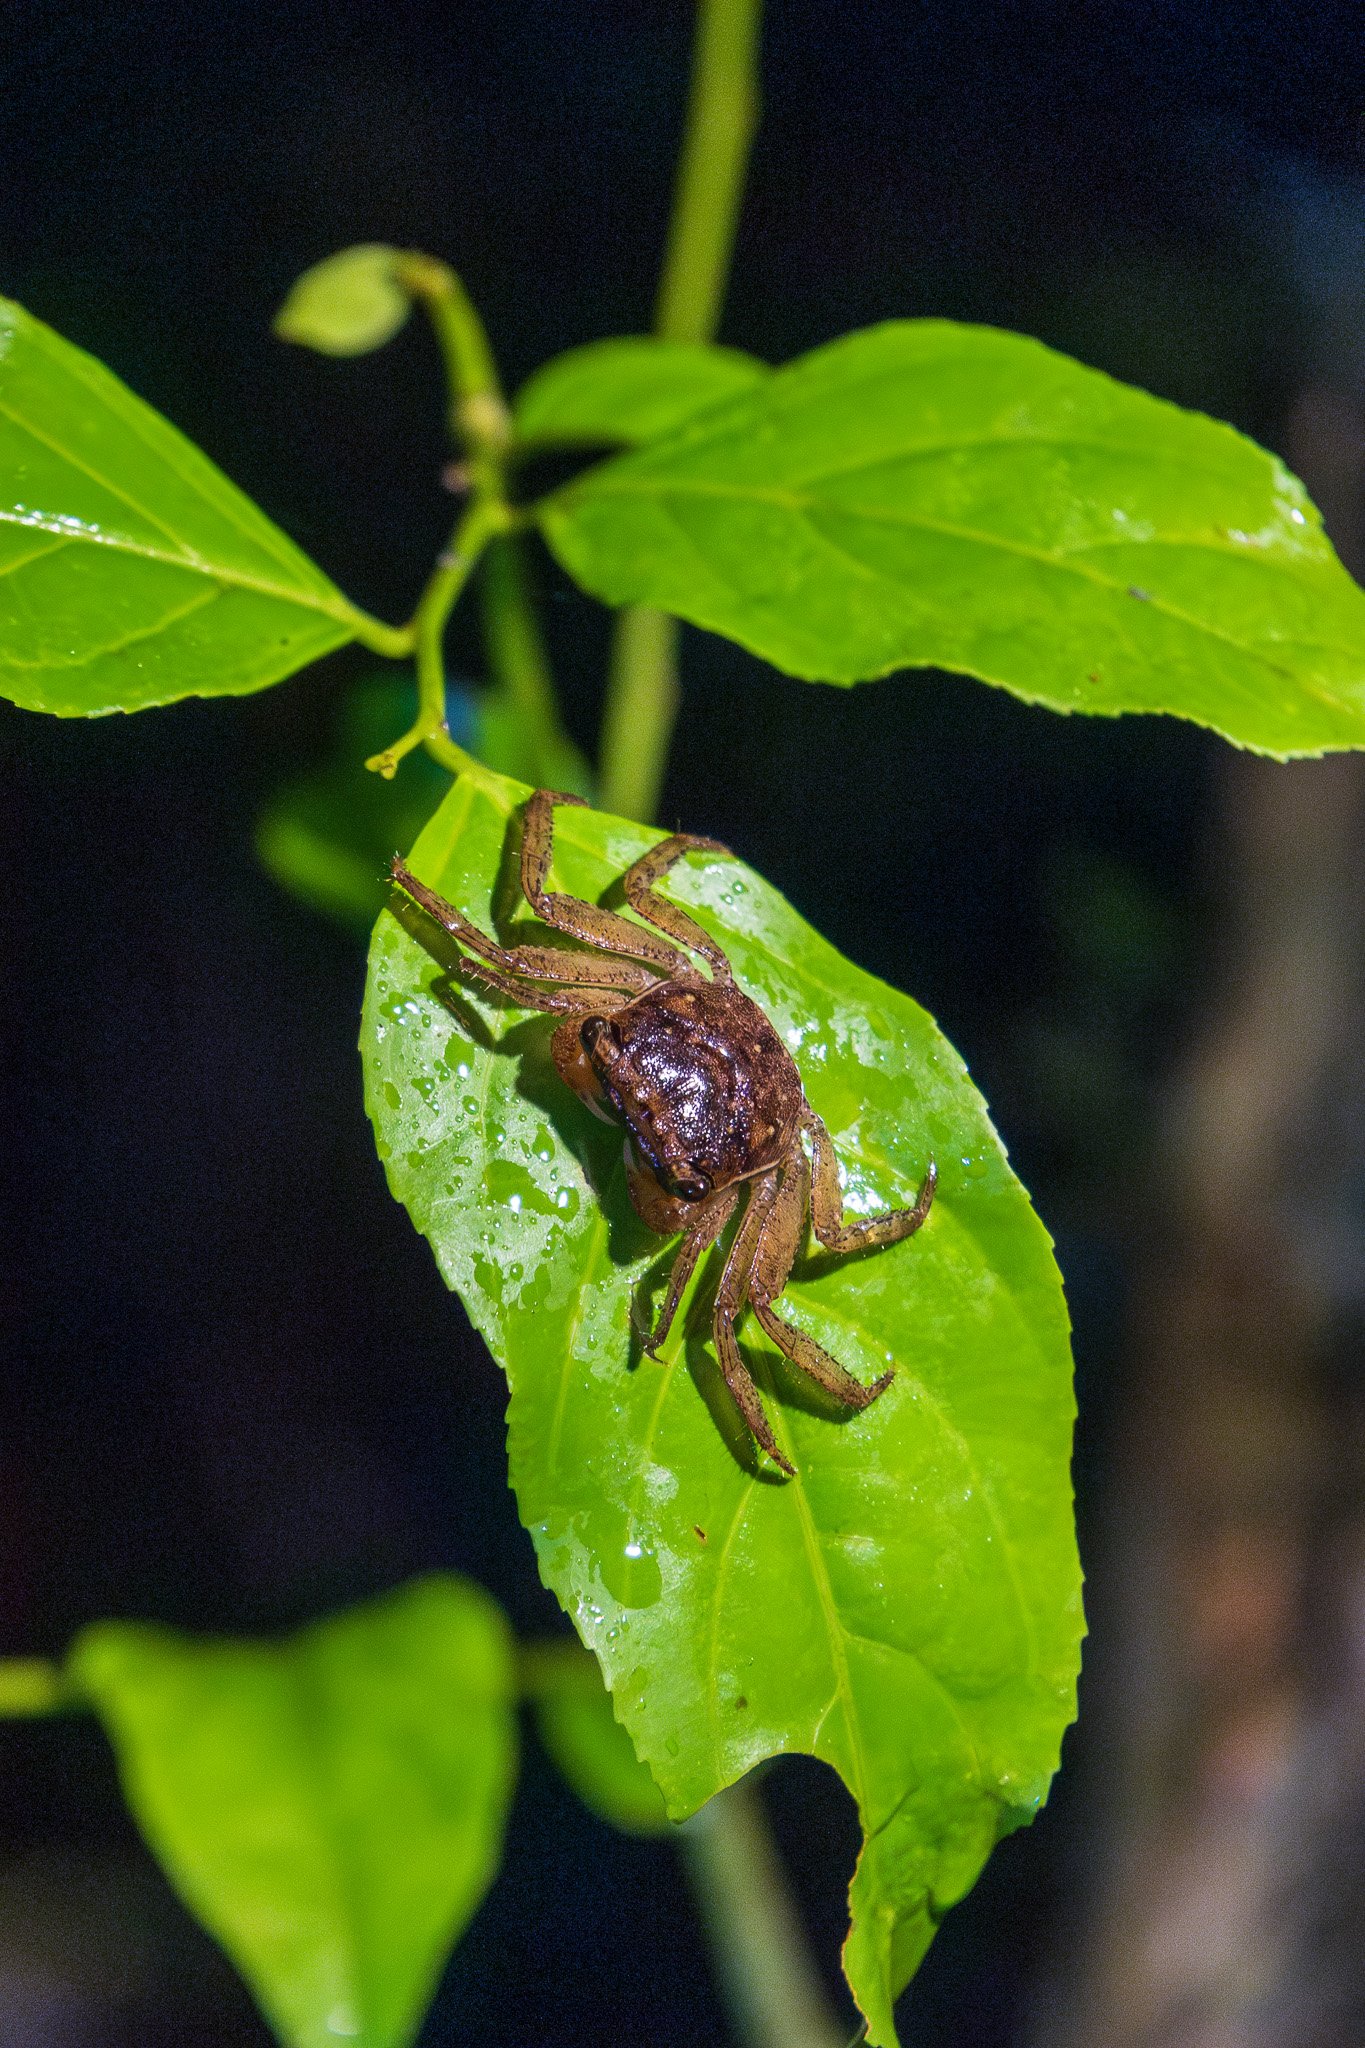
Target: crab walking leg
point(827, 1203)
point(779, 1242)
point(584, 970)
point(541, 963)
point(715, 1214)
point(638, 887)
point(604, 929)
point(574, 1003)
point(731, 1295)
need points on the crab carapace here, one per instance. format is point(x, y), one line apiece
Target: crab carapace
point(710, 1098)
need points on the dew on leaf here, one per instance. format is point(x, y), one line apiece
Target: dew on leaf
point(631, 1575)
point(509, 1183)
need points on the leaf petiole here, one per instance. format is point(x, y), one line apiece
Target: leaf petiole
point(479, 418)
point(722, 114)
point(394, 643)
point(486, 516)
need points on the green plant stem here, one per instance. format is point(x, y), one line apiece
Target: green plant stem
point(478, 412)
point(395, 643)
point(486, 516)
point(722, 115)
point(481, 426)
point(642, 707)
point(30, 1686)
point(479, 420)
point(771, 1989)
point(517, 660)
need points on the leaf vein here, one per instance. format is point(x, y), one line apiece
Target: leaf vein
point(192, 564)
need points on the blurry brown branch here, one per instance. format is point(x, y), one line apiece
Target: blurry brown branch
point(1229, 1683)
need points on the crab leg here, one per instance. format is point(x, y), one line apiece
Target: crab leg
point(539, 963)
point(604, 929)
point(715, 1214)
point(827, 1203)
point(778, 1244)
point(730, 1299)
point(638, 887)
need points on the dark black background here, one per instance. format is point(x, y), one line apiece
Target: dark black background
point(235, 1392)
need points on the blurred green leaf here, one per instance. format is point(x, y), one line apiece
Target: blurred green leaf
point(575, 1722)
point(924, 493)
point(348, 304)
point(331, 1807)
point(131, 571)
point(908, 1608)
point(633, 389)
point(328, 836)
point(501, 736)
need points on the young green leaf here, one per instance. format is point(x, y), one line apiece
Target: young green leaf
point(924, 493)
point(348, 304)
point(574, 1720)
point(908, 1608)
point(633, 389)
point(332, 1806)
point(131, 571)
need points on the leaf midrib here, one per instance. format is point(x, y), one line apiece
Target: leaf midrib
point(163, 443)
point(837, 1632)
point(804, 505)
point(334, 608)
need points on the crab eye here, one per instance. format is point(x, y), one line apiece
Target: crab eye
point(594, 1031)
point(694, 1189)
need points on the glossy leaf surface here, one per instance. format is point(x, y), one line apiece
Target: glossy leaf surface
point(348, 304)
point(909, 1607)
point(131, 571)
point(924, 493)
point(331, 1807)
point(632, 389)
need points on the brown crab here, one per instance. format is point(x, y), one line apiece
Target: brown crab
point(708, 1093)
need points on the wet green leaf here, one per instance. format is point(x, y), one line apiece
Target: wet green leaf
point(131, 571)
point(574, 1720)
point(631, 389)
point(924, 493)
point(332, 1806)
point(348, 304)
point(909, 1607)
